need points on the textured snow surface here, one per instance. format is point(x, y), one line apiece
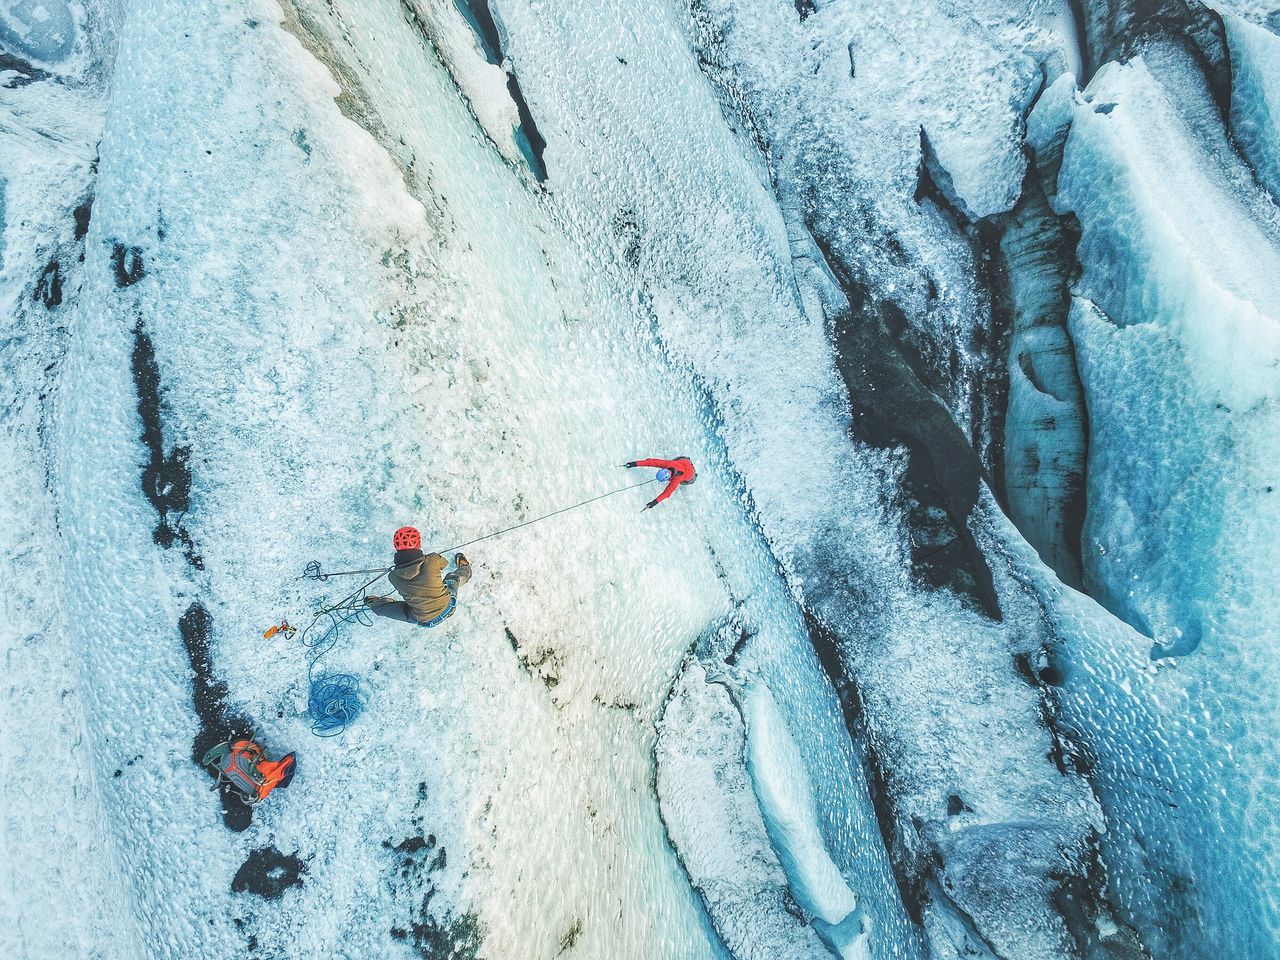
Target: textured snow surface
point(961, 647)
point(746, 305)
point(288, 278)
point(62, 889)
point(314, 323)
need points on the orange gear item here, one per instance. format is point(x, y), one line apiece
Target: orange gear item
point(275, 773)
point(407, 538)
point(282, 627)
point(244, 765)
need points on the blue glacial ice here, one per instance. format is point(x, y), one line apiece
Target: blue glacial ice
point(1174, 331)
point(40, 30)
point(960, 647)
point(716, 825)
point(1255, 96)
point(1174, 326)
point(787, 803)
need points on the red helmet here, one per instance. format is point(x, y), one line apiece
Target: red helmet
point(407, 538)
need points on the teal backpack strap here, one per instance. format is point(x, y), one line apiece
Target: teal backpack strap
point(217, 755)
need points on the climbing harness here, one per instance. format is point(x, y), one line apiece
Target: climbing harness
point(334, 700)
point(448, 612)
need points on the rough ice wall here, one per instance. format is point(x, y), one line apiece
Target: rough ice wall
point(1255, 97)
point(1174, 329)
point(1046, 430)
point(318, 301)
point(1174, 325)
point(715, 824)
point(750, 302)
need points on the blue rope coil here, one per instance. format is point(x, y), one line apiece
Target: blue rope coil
point(333, 699)
point(334, 703)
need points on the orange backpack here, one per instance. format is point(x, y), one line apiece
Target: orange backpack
point(244, 765)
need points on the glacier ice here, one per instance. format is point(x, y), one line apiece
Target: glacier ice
point(43, 30)
point(960, 646)
point(810, 853)
point(1045, 427)
point(208, 219)
point(785, 792)
point(1198, 311)
point(1255, 96)
point(62, 890)
point(192, 264)
point(748, 306)
point(717, 828)
point(1173, 322)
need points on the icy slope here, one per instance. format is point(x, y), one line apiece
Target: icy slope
point(61, 883)
point(356, 263)
point(716, 825)
point(1174, 322)
point(1255, 97)
point(264, 249)
point(743, 304)
point(318, 303)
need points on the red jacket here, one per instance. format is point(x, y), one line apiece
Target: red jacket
point(682, 472)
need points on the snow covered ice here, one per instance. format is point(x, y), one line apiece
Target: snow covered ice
point(962, 645)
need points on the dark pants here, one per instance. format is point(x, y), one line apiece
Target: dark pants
point(392, 610)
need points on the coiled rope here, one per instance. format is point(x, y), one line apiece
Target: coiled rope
point(334, 699)
point(334, 703)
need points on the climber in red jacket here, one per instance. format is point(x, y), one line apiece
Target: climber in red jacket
point(675, 473)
